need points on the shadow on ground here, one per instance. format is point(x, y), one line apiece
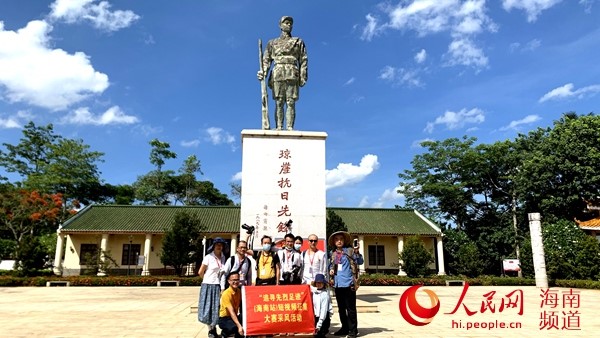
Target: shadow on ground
point(376, 297)
point(361, 331)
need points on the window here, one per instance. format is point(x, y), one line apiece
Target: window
point(376, 255)
point(130, 258)
point(87, 253)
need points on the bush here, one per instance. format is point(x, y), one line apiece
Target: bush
point(569, 252)
point(467, 261)
point(415, 258)
point(7, 248)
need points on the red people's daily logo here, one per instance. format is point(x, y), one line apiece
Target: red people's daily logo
point(413, 312)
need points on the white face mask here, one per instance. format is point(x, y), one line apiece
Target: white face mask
point(297, 246)
point(266, 247)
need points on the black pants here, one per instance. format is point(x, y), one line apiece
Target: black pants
point(228, 327)
point(346, 301)
point(324, 330)
point(269, 281)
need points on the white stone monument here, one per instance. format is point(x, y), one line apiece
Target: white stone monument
point(537, 246)
point(283, 179)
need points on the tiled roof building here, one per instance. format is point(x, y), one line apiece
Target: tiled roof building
point(133, 234)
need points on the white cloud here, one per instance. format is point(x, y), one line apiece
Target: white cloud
point(388, 196)
point(100, 15)
point(370, 29)
point(526, 120)
point(16, 120)
point(401, 76)
point(147, 130)
point(460, 19)
point(219, 136)
point(533, 45)
point(83, 116)
point(190, 144)
point(528, 47)
point(417, 143)
point(566, 92)
point(533, 8)
point(347, 173)
point(34, 73)
point(464, 52)
point(350, 81)
point(421, 56)
point(10, 122)
point(237, 177)
point(364, 202)
point(587, 4)
point(455, 120)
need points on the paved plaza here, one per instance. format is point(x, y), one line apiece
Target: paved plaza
point(165, 312)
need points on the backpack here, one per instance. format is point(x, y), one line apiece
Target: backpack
point(231, 263)
point(353, 265)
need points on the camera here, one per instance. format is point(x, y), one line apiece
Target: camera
point(292, 277)
point(355, 243)
point(249, 228)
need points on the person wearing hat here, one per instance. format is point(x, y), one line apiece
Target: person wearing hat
point(343, 272)
point(290, 71)
point(210, 290)
point(322, 307)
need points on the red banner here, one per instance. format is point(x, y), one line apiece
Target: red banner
point(278, 309)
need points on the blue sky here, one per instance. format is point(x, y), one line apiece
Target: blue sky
point(382, 77)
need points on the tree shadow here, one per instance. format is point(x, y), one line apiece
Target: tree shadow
point(362, 331)
point(375, 297)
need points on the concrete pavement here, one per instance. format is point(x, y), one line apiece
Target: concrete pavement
point(165, 312)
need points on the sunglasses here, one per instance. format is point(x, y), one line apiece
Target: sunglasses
point(313, 240)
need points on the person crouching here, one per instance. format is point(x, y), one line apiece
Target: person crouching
point(229, 311)
point(322, 306)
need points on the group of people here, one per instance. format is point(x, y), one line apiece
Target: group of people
point(220, 296)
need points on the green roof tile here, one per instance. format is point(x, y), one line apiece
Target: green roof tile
point(361, 221)
point(226, 219)
point(149, 219)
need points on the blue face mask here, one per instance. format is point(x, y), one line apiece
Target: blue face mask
point(297, 246)
point(266, 247)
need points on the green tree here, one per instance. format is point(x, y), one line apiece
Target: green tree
point(158, 186)
point(415, 257)
point(562, 168)
point(334, 223)
point(30, 256)
point(8, 247)
point(123, 194)
point(468, 261)
point(188, 171)
point(52, 164)
point(181, 241)
point(30, 155)
point(437, 185)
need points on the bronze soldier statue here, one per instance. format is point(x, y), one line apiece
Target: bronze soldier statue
point(290, 71)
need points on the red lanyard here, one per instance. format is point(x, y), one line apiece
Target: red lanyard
point(313, 257)
point(338, 257)
point(219, 263)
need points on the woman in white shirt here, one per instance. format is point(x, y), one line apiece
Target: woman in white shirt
point(210, 291)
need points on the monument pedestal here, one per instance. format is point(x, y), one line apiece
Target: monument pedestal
point(283, 179)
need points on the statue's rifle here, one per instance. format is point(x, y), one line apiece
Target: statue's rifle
point(263, 89)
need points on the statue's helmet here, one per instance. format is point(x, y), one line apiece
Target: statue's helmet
point(285, 17)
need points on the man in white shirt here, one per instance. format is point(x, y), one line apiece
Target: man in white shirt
point(291, 263)
point(240, 263)
point(313, 260)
